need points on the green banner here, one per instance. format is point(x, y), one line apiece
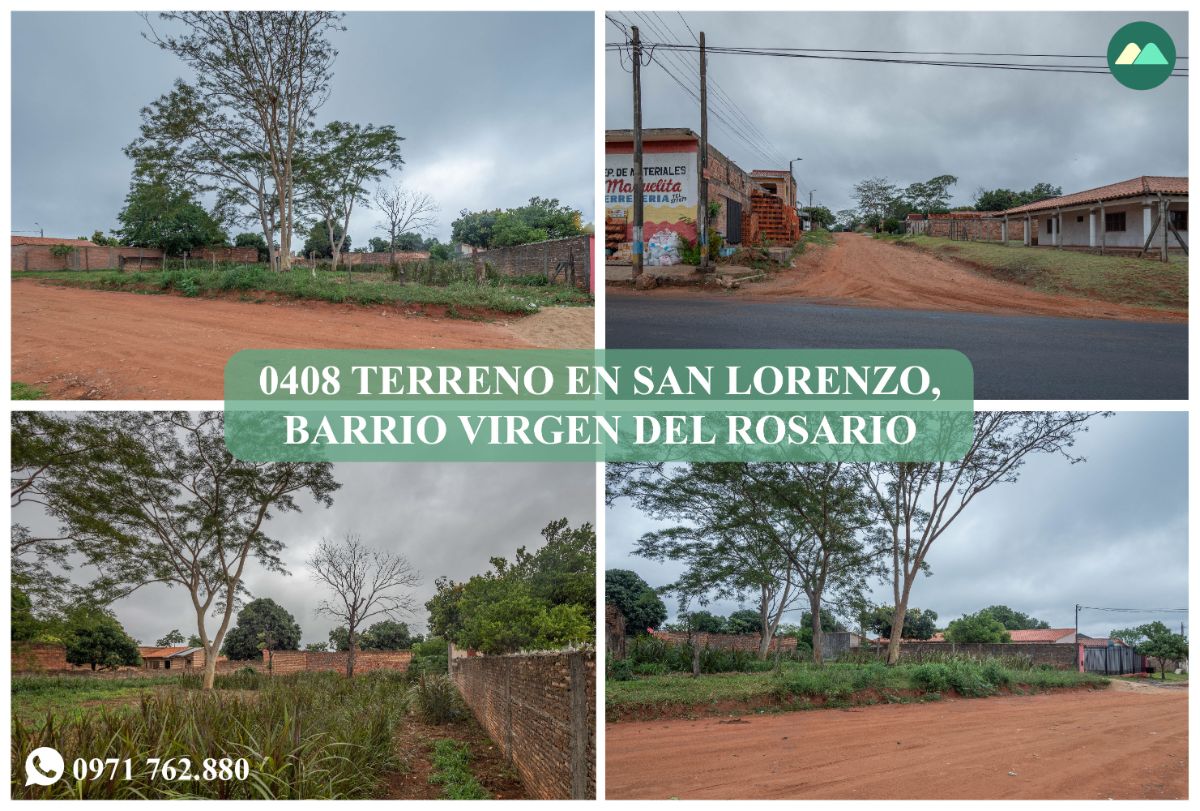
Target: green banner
point(585, 405)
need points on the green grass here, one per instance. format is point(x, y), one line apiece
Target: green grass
point(1117, 279)
point(800, 685)
point(448, 288)
point(73, 697)
point(23, 391)
point(305, 736)
point(452, 770)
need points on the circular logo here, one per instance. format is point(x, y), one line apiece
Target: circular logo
point(1141, 55)
point(43, 766)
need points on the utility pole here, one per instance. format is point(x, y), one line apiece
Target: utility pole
point(638, 181)
point(810, 194)
point(1076, 622)
point(703, 218)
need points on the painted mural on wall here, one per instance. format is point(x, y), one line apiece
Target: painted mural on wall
point(669, 199)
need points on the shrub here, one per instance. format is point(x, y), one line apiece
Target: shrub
point(436, 700)
point(619, 669)
point(452, 770)
point(933, 677)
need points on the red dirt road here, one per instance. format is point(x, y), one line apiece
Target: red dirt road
point(1111, 744)
point(89, 344)
point(859, 270)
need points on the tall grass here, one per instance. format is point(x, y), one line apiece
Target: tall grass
point(449, 284)
point(649, 656)
point(308, 735)
point(452, 770)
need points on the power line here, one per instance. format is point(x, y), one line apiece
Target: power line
point(1135, 610)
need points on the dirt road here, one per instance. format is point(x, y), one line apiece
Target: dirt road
point(863, 271)
point(1112, 744)
point(88, 344)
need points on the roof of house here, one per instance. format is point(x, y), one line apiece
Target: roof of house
point(1089, 642)
point(1041, 634)
point(1136, 187)
point(166, 653)
point(22, 240)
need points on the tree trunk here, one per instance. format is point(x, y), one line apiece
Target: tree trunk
point(350, 655)
point(210, 667)
point(901, 609)
point(695, 659)
point(814, 609)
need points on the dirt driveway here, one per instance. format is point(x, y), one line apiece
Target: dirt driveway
point(1111, 744)
point(88, 344)
point(859, 270)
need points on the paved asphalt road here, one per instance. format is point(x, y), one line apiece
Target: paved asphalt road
point(1015, 357)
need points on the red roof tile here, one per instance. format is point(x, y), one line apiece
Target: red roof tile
point(162, 653)
point(1041, 634)
point(21, 240)
point(1147, 184)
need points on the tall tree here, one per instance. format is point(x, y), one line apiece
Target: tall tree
point(931, 195)
point(338, 162)
point(259, 79)
point(173, 637)
point(874, 197)
point(262, 623)
point(1014, 620)
point(95, 638)
point(365, 583)
point(158, 216)
point(978, 627)
point(404, 212)
point(170, 504)
point(916, 502)
point(638, 603)
point(1156, 641)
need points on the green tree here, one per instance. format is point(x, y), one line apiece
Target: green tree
point(701, 621)
point(1155, 641)
point(254, 241)
point(95, 638)
point(194, 641)
point(387, 635)
point(261, 621)
point(173, 637)
point(918, 623)
point(338, 162)
point(821, 216)
point(1004, 199)
point(156, 216)
point(316, 647)
point(445, 619)
point(339, 639)
point(875, 197)
point(933, 195)
point(439, 251)
point(978, 627)
point(1014, 620)
point(638, 603)
point(168, 503)
point(540, 219)
point(258, 79)
point(743, 621)
point(23, 626)
point(316, 242)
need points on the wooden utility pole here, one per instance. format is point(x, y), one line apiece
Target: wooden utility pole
point(638, 180)
point(703, 218)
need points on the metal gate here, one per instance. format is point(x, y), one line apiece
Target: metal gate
point(733, 222)
point(1114, 660)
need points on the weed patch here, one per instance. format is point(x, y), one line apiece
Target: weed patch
point(452, 771)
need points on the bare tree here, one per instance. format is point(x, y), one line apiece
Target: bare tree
point(404, 211)
point(366, 583)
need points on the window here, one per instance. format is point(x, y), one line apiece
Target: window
point(1178, 220)
point(1114, 221)
point(1050, 226)
point(1079, 218)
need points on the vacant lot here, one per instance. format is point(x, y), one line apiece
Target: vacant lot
point(73, 343)
point(1092, 745)
point(304, 736)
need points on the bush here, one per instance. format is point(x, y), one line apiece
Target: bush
point(435, 700)
point(933, 677)
point(619, 669)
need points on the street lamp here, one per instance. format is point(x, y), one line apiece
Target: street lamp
point(41, 231)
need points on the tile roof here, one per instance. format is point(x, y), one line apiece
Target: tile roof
point(163, 653)
point(22, 240)
point(1041, 634)
point(1146, 184)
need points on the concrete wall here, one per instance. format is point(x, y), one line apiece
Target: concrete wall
point(1063, 656)
point(540, 709)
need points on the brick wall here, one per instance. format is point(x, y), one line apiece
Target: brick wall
point(358, 259)
point(540, 709)
point(541, 259)
point(91, 257)
point(1057, 655)
point(248, 256)
point(38, 657)
point(297, 661)
point(746, 642)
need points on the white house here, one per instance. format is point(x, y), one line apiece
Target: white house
point(1121, 215)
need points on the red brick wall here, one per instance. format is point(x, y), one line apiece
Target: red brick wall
point(36, 657)
point(223, 254)
point(540, 709)
point(541, 259)
point(297, 661)
point(92, 257)
point(357, 259)
point(746, 642)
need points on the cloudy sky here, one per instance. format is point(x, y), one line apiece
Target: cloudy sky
point(495, 109)
point(851, 120)
point(1110, 532)
point(447, 519)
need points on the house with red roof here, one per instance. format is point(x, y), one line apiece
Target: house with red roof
point(1143, 213)
point(176, 657)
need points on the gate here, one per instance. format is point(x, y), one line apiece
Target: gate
point(733, 222)
point(1113, 660)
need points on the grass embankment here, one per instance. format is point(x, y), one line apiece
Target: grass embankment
point(451, 286)
point(308, 735)
point(796, 686)
point(23, 391)
point(1118, 279)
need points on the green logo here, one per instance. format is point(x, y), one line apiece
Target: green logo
point(1141, 55)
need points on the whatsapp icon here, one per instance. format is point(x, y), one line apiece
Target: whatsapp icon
point(1141, 55)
